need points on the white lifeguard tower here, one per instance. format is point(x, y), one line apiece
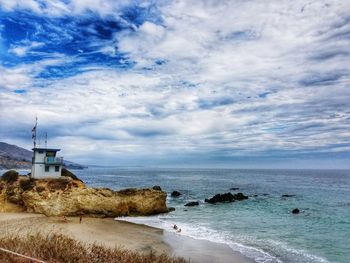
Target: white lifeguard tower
point(45, 163)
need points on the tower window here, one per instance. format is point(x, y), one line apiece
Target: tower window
point(47, 168)
point(57, 168)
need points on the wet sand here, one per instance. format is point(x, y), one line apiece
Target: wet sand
point(113, 233)
point(202, 250)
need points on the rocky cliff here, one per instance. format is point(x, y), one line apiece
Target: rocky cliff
point(66, 196)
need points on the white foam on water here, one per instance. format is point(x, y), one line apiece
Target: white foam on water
point(299, 253)
point(165, 222)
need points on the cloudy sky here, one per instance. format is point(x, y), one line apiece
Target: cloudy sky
point(238, 83)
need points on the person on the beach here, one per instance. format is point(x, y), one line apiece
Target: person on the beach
point(80, 219)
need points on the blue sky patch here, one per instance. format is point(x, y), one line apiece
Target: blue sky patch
point(82, 38)
point(20, 91)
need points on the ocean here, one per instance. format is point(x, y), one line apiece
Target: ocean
point(262, 227)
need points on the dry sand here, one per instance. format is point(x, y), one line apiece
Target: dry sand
point(104, 231)
point(112, 233)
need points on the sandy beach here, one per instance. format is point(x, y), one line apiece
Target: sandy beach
point(111, 233)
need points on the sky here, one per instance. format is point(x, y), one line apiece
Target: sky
point(202, 83)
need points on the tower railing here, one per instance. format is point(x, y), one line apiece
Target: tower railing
point(53, 160)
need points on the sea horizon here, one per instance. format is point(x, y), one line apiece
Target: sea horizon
point(185, 167)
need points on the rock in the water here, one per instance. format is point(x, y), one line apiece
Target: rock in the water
point(288, 195)
point(295, 211)
point(194, 203)
point(240, 196)
point(157, 187)
point(65, 196)
point(234, 188)
point(171, 209)
point(175, 194)
point(228, 197)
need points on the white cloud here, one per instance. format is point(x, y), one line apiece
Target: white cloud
point(14, 78)
point(22, 50)
point(22, 76)
point(62, 8)
point(10, 5)
point(239, 77)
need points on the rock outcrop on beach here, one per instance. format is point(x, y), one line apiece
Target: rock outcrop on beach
point(66, 196)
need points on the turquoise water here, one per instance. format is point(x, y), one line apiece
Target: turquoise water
point(261, 227)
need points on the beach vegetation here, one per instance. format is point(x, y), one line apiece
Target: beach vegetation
point(10, 176)
point(65, 172)
point(40, 189)
point(26, 184)
point(58, 184)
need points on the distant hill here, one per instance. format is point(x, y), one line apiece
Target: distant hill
point(14, 157)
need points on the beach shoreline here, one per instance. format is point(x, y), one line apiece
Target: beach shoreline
point(111, 233)
point(202, 251)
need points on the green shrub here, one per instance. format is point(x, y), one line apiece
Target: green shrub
point(10, 176)
point(67, 173)
point(26, 184)
point(40, 189)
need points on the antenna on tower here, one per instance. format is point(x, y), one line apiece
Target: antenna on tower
point(45, 139)
point(34, 131)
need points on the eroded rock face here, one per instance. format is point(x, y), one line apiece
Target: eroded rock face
point(66, 196)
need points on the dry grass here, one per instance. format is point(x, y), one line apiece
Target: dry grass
point(58, 184)
point(57, 248)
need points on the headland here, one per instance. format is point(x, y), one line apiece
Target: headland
point(67, 207)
